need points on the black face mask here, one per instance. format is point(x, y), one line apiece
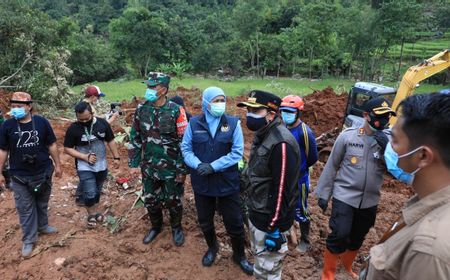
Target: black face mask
point(378, 122)
point(87, 123)
point(255, 122)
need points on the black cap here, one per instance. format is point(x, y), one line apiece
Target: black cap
point(262, 99)
point(379, 106)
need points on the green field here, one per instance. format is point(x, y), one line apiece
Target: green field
point(124, 90)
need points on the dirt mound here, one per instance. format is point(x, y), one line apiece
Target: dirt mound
point(4, 101)
point(324, 110)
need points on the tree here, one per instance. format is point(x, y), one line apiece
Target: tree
point(140, 36)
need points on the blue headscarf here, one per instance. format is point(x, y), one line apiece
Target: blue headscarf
point(208, 95)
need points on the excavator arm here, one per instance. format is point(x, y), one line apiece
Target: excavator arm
point(418, 73)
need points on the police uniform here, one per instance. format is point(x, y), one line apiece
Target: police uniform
point(353, 176)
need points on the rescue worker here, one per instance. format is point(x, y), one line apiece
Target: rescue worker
point(291, 112)
point(212, 146)
point(353, 175)
point(271, 178)
point(30, 142)
point(417, 246)
point(92, 95)
point(155, 137)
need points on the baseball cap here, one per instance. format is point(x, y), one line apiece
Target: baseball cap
point(261, 99)
point(21, 97)
point(379, 106)
point(93, 91)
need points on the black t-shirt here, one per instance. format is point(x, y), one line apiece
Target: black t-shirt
point(83, 140)
point(23, 142)
point(75, 135)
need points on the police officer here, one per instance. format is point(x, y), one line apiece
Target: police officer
point(155, 137)
point(212, 147)
point(30, 141)
point(353, 175)
point(272, 175)
point(291, 111)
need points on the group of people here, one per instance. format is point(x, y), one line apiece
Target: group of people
point(166, 145)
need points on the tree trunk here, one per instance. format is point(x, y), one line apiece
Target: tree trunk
point(257, 55)
point(400, 60)
point(310, 61)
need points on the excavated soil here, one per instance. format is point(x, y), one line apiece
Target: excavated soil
point(80, 253)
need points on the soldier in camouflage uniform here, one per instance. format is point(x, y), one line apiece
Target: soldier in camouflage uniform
point(155, 138)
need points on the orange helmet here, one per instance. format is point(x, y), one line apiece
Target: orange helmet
point(292, 102)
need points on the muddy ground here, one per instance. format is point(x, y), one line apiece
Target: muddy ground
point(80, 253)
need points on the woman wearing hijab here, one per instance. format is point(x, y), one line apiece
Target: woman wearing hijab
point(212, 146)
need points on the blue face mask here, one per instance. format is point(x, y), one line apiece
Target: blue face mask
point(391, 158)
point(18, 113)
point(217, 109)
point(151, 95)
point(288, 118)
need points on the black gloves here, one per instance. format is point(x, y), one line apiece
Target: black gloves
point(274, 240)
point(381, 139)
point(323, 204)
point(205, 169)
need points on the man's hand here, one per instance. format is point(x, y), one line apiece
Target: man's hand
point(2, 180)
point(274, 241)
point(58, 171)
point(90, 158)
point(116, 163)
point(135, 171)
point(381, 139)
point(180, 178)
point(323, 204)
point(205, 169)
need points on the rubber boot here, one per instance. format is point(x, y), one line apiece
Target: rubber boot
point(176, 214)
point(330, 261)
point(347, 260)
point(238, 245)
point(304, 244)
point(213, 247)
point(156, 219)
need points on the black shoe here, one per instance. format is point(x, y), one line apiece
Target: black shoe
point(244, 264)
point(151, 235)
point(178, 236)
point(209, 257)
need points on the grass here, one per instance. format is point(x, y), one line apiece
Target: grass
point(116, 91)
point(124, 90)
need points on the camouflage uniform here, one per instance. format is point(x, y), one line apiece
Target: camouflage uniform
point(155, 146)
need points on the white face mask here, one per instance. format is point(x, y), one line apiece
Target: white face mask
point(409, 154)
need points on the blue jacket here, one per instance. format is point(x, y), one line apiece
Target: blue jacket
point(312, 156)
point(223, 151)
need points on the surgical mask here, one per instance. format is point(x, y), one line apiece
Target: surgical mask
point(151, 95)
point(391, 158)
point(288, 118)
point(255, 122)
point(217, 109)
point(18, 113)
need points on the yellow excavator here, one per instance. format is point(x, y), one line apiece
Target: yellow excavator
point(362, 91)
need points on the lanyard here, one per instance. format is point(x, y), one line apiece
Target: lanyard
point(89, 134)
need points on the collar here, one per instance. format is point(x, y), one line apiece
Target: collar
point(262, 133)
point(417, 208)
